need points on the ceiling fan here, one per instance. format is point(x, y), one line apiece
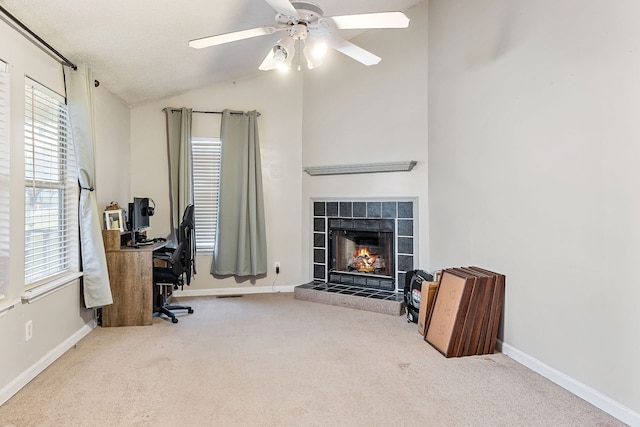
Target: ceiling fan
point(304, 22)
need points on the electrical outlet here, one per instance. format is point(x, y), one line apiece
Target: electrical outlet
point(277, 267)
point(28, 330)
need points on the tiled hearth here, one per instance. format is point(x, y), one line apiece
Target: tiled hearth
point(371, 293)
point(368, 299)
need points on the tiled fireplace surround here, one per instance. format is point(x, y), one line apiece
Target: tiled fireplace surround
point(399, 214)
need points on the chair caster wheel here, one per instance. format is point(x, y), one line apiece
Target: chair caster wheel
point(190, 311)
point(174, 320)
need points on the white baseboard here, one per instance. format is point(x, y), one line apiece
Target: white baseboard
point(33, 371)
point(233, 291)
point(597, 399)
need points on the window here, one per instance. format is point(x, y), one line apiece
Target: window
point(51, 187)
point(4, 178)
point(206, 187)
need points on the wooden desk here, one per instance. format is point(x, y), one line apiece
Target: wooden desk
point(131, 278)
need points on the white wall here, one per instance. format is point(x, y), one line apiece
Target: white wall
point(533, 152)
point(356, 114)
point(278, 99)
point(113, 125)
point(59, 320)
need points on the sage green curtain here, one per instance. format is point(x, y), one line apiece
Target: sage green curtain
point(95, 279)
point(180, 163)
point(241, 244)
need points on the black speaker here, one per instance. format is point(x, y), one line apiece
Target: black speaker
point(413, 292)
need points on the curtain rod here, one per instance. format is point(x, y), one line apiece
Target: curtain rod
point(210, 112)
point(16, 21)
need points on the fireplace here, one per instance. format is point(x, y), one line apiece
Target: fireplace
point(363, 243)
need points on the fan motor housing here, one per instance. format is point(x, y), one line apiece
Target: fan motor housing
point(299, 31)
point(307, 8)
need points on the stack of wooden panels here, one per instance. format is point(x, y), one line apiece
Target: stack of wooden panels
point(466, 312)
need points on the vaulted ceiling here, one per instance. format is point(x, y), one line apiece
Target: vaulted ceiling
point(139, 48)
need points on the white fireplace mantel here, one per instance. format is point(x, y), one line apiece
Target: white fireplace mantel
point(360, 168)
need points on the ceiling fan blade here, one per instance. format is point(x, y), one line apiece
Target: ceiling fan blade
point(230, 37)
point(353, 51)
point(371, 20)
point(284, 7)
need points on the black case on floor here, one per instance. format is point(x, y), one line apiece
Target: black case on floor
point(413, 281)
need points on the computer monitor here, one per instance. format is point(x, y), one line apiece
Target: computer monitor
point(139, 213)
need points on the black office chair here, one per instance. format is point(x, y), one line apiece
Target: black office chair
point(181, 266)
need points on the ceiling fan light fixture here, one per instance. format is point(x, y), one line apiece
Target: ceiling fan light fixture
point(319, 50)
point(312, 60)
point(283, 65)
point(283, 53)
point(279, 54)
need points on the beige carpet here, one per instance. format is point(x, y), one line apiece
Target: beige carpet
point(271, 360)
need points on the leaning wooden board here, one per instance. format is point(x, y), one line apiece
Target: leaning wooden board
point(446, 319)
point(465, 317)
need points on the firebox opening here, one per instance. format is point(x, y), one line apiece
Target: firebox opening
point(362, 252)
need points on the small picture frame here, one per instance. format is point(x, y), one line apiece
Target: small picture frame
point(113, 220)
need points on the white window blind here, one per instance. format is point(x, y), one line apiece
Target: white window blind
point(206, 154)
point(4, 179)
point(51, 188)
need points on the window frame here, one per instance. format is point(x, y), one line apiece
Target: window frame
point(53, 173)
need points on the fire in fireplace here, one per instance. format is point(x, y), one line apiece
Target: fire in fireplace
point(364, 262)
